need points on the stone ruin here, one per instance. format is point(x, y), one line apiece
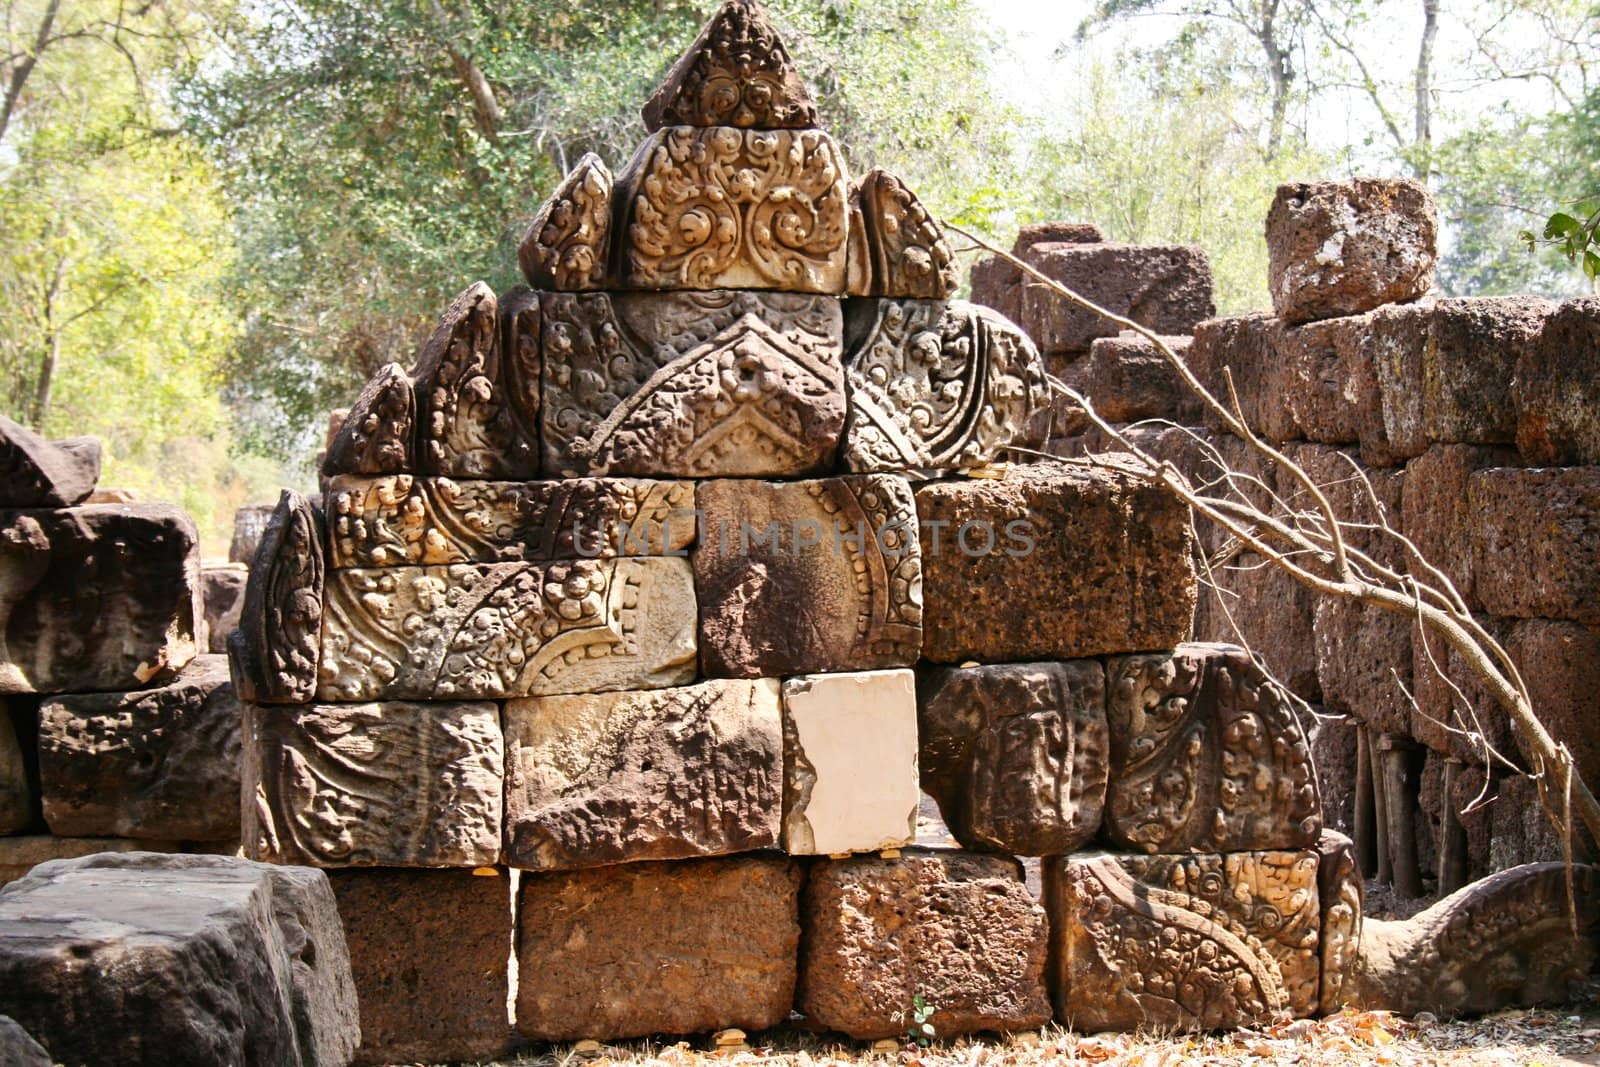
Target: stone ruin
point(633, 623)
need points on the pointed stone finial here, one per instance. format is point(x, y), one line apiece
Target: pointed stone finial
point(737, 73)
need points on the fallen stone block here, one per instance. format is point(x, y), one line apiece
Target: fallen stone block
point(1536, 542)
point(373, 785)
point(222, 588)
point(600, 778)
point(429, 953)
point(145, 958)
point(19, 855)
point(1436, 513)
point(1207, 755)
point(1198, 942)
point(657, 948)
point(18, 1048)
point(1016, 754)
point(498, 630)
point(850, 762)
point(1129, 380)
point(1164, 288)
point(103, 597)
point(1504, 942)
point(1341, 895)
point(157, 763)
point(36, 473)
point(807, 577)
point(1055, 561)
point(737, 73)
point(1342, 248)
point(961, 931)
point(691, 384)
point(275, 652)
point(1556, 391)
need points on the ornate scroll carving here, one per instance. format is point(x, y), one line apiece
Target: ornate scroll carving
point(399, 520)
point(365, 785)
point(1206, 754)
point(938, 385)
point(376, 436)
point(569, 243)
point(737, 73)
point(497, 630)
point(691, 384)
point(1182, 942)
point(275, 649)
point(904, 252)
point(1340, 888)
point(468, 428)
point(721, 208)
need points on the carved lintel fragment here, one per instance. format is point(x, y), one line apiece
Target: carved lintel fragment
point(274, 652)
point(1340, 891)
point(906, 253)
point(568, 246)
point(377, 434)
point(737, 73)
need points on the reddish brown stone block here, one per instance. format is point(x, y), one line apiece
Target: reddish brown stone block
point(1558, 389)
point(1165, 288)
point(1560, 661)
point(1536, 542)
point(1128, 380)
point(1437, 514)
point(1246, 349)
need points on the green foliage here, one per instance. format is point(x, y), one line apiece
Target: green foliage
point(921, 1030)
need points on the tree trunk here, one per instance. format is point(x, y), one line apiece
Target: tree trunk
point(1422, 141)
point(25, 65)
point(1280, 72)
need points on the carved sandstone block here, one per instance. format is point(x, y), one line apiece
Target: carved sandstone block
point(36, 473)
point(98, 597)
point(850, 762)
point(722, 208)
point(569, 244)
point(1340, 893)
point(497, 630)
point(736, 73)
point(1197, 942)
point(1536, 542)
point(1206, 755)
point(601, 778)
point(155, 763)
point(693, 385)
point(936, 384)
point(373, 785)
point(959, 930)
point(897, 249)
point(1556, 394)
point(1055, 561)
point(1016, 753)
point(400, 520)
point(377, 435)
point(807, 577)
point(275, 651)
point(646, 948)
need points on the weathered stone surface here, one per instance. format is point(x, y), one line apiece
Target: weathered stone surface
point(1207, 755)
point(850, 762)
point(36, 473)
point(568, 246)
point(222, 588)
point(18, 1048)
point(1247, 350)
point(1330, 387)
point(469, 421)
point(1199, 942)
point(807, 577)
point(373, 785)
point(997, 283)
point(938, 385)
point(1341, 248)
point(497, 630)
point(1457, 699)
point(1165, 288)
point(1506, 941)
point(1249, 601)
point(1556, 390)
point(428, 952)
point(1055, 561)
point(401, 520)
point(1334, 749)
point(249, 523)
point(959, 930)
point(1437, 515)
point(17, 791)
point(737, 73)
point(155, 763)
point(275, 651)
point(1016, 754)
point(1128, 380)
point(1536, 542)
point(694, 385)
point(19, 855)
point(663, 774)
point(99, 597)
point(1560, 662)
point(897, 249)
point(1519, 831)
point(377, 434)
point(202, 960)
point(646, 948)
point(724, 208)
point(1340, 894)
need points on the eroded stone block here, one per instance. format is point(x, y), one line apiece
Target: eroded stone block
point(378, 434)
point(1206, 755)
point(1129, 380)
point(1340, 894)
point(807, 577)
point(373, 785)
point(1560, 662)
point(1246, 350)
point(692, 385)
point(19, 855)
point(1450, 697)
point(938, 384)
point(428, 952)
point(1436, 513)
point(1165, 288)
point(1557, 391)
point(1330, 386)
point(602, 778)
point(399, 520)
point(497, 630)
point(1251, 602)
point(1016, 754)
point(1055, 561)
point(275, 651)
point(959, 930)
point(36, 473)
point(737, 73)
point(1199, 942)
point(897, 249)
point(850, 762)
point(568, 246)
point(1341, 248)
point(155, 763)
point(222, 593)
point(1536, 542)
point(648, 948)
